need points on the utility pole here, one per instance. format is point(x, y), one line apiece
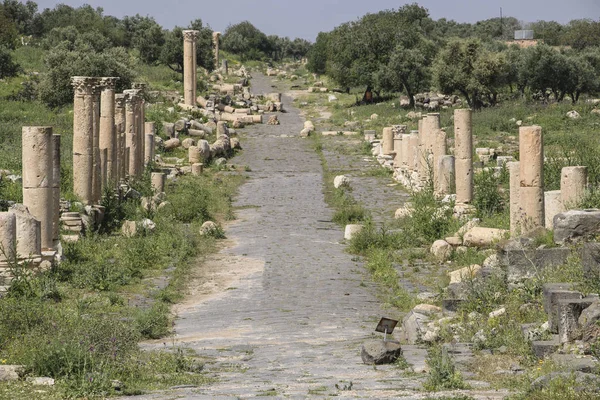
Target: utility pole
point(501, 24)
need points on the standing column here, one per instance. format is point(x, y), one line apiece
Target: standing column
point(414, 156)
point(8, 236)
point(446, 169)
point(531, 150)
point(108, 136)
point(149, 145)
point(38, 178)
point(96, 159)
point(141, 87)
point(216, 36)
point(422, 153)
point(56, 190)
point(131, 132)
point(388, 142)
point(405, 151)
point(83, 136)
point(573, 182)
point(121, 167)
point(514, 170)
point(189, 67)
point(439, 151)
point(463, 152)
point(398, 151)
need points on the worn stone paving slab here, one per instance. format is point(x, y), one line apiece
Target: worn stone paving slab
point(291, 324)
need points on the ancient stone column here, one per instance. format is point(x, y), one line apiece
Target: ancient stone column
point(431, 125)
point(439, 150)
point(38, 178)
point(158, 182)
point(120, 136)
point(514, 170)
point(573, 183)
point(8, 236)
point(216, 36)
point(197, 169)
point(108, 135)
point(552, 206)
point(96, 162)
point(83, 137)
point(414, 156)
point(463, 153)
point(405, 150)
point(194, 155)
point(28, 233)
point(398, 151)
point(446, 170)
point(132, 131)
point(141, 121)
point(149, 147)
point(189, 66)
point(531, 150)
point(56, 189)
point(388, 142)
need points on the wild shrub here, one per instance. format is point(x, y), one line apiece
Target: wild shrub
point(430, 219)
point(442, 372)
point(487, 198)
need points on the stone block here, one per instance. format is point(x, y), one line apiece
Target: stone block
point(352, 230)
point(526, 263)
point(378, 352)
point(574, 225)
point(441, 250)
point(464, 274)
point(544, 348)
point(553, 294)
point(484, 237)
point(569, 311)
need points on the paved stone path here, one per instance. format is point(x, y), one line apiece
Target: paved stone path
point(298, 308)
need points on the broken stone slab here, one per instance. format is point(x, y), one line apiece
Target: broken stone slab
point(441, 250)
point(414, 327)
point(569, 311)
point(416, 357)
point(352, 230)
point(40, 381)
point(484, 237)
point(544, 348)
point(572, 362)
point(590, 259)
point(11, 372)
point(553, 293)
point(524, 264)
point(590, 315)
point(574, 225)
point(378, 352)
point(465, 274)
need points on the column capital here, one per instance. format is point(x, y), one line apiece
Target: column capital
point(83, 85)
point(108, 83)
point(120, 99)
point(132, 97)
point(216, 35)
point(141, 86)
point(190, 35)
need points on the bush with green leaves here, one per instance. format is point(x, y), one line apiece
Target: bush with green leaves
point(487, 198)
point(442, 371)
point(8, 67)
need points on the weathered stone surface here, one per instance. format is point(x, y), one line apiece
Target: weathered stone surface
point(341, 181)
point(583, 381)
point(11, 372)
point(484, 237)
point(441, 250)
point(414, 327)
point(590, 315)
point(526, 263)
point(465, 274)
point(378, 352)
point(352, 230)
point(569, 311)
point(576, 224)
point(172, 144)
point(208, 228)
point(553, 293)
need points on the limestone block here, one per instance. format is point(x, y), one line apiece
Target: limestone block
point(158, 182)
point(40, 204)
point(28, 231)
point(553, 205)
point(197, 169)
point(341, 181)
point(194, 155)
point(414, 327)
point(464, 180)
point(8, 236)
point(204, 149)
point(576, 224)
point(465, 274)
point(352, 230)
point(446, 170)
point(388, 141)
point(531, 151)
point(187, 143)
point(441, 250)
point(573, 183)
point(532, 206)
point(172, 144)
point(483, 237)
point(378, 352)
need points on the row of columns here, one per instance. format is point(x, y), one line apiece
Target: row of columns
point(530, 206)
point(109, 136)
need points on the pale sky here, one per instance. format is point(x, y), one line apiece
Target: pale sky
point(306, 18)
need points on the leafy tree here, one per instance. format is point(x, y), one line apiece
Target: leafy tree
point(546, 71)
point(21, 14)
point(145, 35)
point(8, 30)
point(408, 68)
point(8, 68)
point(582, 33)
point(245, 40)
point(71, 39)
point(62, 64)
point(550, 32)
point(467, 67)
point(172, 51)
point(317, 55)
